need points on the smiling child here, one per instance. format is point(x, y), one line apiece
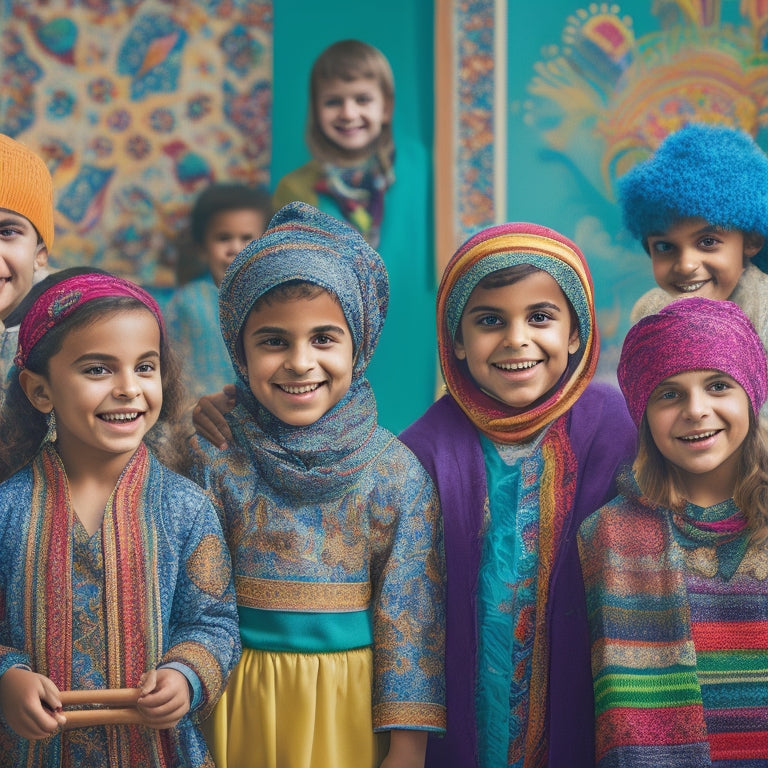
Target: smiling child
point(333, 525)
point(522, 448)
point(675, 566)
point(26, 235)
point(114, 570)
point(699, 206)
point(361, 173)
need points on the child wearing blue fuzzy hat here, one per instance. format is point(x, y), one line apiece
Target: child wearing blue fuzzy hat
point(699, 205)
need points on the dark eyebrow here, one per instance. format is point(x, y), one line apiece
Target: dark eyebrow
point(529, 308)
point(707, 228)
point(7, 218)
point(105, 358)
point(274, 329)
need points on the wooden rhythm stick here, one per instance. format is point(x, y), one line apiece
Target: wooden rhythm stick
point(117, 706)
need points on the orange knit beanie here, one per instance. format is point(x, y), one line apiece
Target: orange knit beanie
point(26, 186)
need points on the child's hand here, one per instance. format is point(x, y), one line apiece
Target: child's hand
point(407, 749)
point(208, 416)
point(164, 697)
point(30, 703)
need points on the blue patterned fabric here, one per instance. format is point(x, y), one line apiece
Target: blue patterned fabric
point(197, 614)
point(192, 317)
point(376, 546)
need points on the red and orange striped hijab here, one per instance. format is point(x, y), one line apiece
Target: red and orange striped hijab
point(488, 251)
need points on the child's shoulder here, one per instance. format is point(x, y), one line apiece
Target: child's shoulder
point(600, 429)
point(442, 417)
point(649, 304)
point(190, 294)
point(21, 479)
point(629, 512)
point(298, 184)
point(601, 397)
point(181, 490)
point(15, 498)
point(396, 453)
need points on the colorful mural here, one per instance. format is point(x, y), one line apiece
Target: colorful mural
point(135, 106)
point(606, 98)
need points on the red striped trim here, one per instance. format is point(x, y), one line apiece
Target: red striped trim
point(628, 726)
point(730, 635)
point(739, 746)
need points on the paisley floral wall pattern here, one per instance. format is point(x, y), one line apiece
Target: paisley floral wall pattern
point(607, 97)
point(135, 106)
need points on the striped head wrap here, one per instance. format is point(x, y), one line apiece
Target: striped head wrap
point(59, 301)
point(491, 250)
point(691, 334)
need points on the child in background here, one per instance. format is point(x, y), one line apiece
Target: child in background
point(357, 175)
point(676, 567)
point(699, 206)
point(522, 449)
point(224, 219)
point(114, 572)
point(333, 525)
point(26, 236)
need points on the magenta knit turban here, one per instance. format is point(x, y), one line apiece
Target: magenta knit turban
point(59, 301)
point(692, 335)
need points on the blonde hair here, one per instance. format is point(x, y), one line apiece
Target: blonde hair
point(658, 479)
point(349, 60)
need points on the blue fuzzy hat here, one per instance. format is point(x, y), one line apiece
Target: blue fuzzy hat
point(712, 172)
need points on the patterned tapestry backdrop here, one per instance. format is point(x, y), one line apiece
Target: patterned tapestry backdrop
point(136, 105)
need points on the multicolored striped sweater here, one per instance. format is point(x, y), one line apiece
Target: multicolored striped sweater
point(678, 612)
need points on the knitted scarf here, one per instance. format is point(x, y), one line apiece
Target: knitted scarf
point(321, 460)
point(489, 251)
point(132, 596)
point(660, 635)
point(359, 192)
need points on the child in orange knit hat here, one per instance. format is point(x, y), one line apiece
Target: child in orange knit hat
point(26, 235)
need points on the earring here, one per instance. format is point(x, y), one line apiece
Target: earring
point(50, 432)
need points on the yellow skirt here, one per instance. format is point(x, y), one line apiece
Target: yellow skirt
point(297, 710)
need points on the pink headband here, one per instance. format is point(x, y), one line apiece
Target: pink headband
point(693, 334)
point(61, 300)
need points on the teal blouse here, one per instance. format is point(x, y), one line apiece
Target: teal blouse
point(506, 599)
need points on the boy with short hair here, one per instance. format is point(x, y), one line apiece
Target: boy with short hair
point(26, 235)
point(699, 206)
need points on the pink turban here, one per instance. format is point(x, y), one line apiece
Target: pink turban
point(60, 300)
point(692, 335)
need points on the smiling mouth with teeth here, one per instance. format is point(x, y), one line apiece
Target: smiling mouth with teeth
point(298, 390)
point(119, 416)
point(695, 438)
point(516, 366)
point(691, 287)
